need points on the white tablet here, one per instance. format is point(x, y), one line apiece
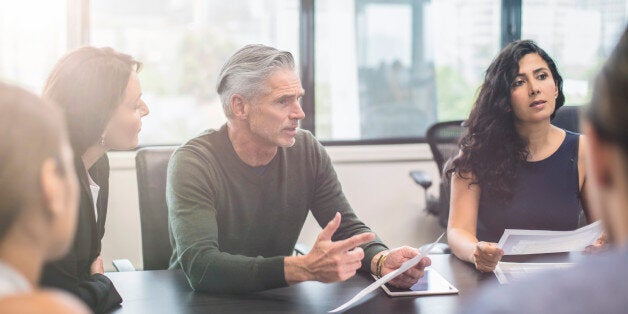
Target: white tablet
point(430, 284)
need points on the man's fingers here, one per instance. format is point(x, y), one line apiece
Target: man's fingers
point(354, 241)
point(356, 254)
point(409, 252)
point(424, 262)
point(330, 229)
point(413, 273)
point(404, 281)
point(351, 262)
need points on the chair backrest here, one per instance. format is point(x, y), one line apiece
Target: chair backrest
point(151, 164)
point(568, 118)
point(443, 136)
point(443, 139)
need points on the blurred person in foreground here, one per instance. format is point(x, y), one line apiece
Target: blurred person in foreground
point(38, 202)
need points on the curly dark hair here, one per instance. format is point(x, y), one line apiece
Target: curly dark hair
point(492, 150)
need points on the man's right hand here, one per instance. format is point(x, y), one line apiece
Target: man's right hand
point(328, 261)
point(486, 256)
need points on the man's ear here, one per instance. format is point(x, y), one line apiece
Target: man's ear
point(51, 187)
point(238, 106)
point(599, 158)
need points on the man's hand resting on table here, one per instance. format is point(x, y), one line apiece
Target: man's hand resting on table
point(392, 260)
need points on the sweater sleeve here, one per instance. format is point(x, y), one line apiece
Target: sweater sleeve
point(329, 198)
point(191, 196)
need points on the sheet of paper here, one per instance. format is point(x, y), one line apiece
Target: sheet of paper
point(388, 277)
point(510, 272)
point(517, 241)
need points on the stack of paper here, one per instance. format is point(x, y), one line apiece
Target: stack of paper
point(518, 242)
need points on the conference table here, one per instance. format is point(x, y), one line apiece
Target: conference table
point(167, 291)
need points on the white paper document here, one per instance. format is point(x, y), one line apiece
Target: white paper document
point(517, 241)
point(511, 272)
point(388, 277)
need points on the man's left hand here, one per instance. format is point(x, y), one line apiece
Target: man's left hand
point(398, 256)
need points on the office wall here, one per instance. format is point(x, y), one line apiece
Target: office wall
point(374, 178)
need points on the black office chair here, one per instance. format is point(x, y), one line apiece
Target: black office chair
point(568, 118)
point(151, 164)
point(443, 139)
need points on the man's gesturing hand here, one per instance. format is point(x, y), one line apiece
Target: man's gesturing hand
point(328, 261)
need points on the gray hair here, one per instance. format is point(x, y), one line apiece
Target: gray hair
point(246, 71)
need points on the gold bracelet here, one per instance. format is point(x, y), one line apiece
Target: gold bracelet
point(379, 264)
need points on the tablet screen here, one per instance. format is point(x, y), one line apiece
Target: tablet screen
point(430, 284)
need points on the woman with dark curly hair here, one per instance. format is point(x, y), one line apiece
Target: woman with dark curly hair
point(515, 169)
point(597, 284)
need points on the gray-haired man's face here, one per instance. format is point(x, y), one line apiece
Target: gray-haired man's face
point(274, 117)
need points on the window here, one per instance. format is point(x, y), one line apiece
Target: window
point(384, 70)
point(578, 35)
point(33, 35)
point(389, 69)
point(183, 45)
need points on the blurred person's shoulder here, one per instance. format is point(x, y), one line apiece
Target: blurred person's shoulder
point(595, 285)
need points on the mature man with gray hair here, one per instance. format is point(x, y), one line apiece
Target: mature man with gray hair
point(238, 196)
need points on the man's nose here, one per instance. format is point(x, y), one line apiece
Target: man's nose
point(297, 113)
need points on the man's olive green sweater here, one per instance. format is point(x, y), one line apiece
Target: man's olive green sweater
point(231, 227)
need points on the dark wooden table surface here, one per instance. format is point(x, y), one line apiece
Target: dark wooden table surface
point(167, 291)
